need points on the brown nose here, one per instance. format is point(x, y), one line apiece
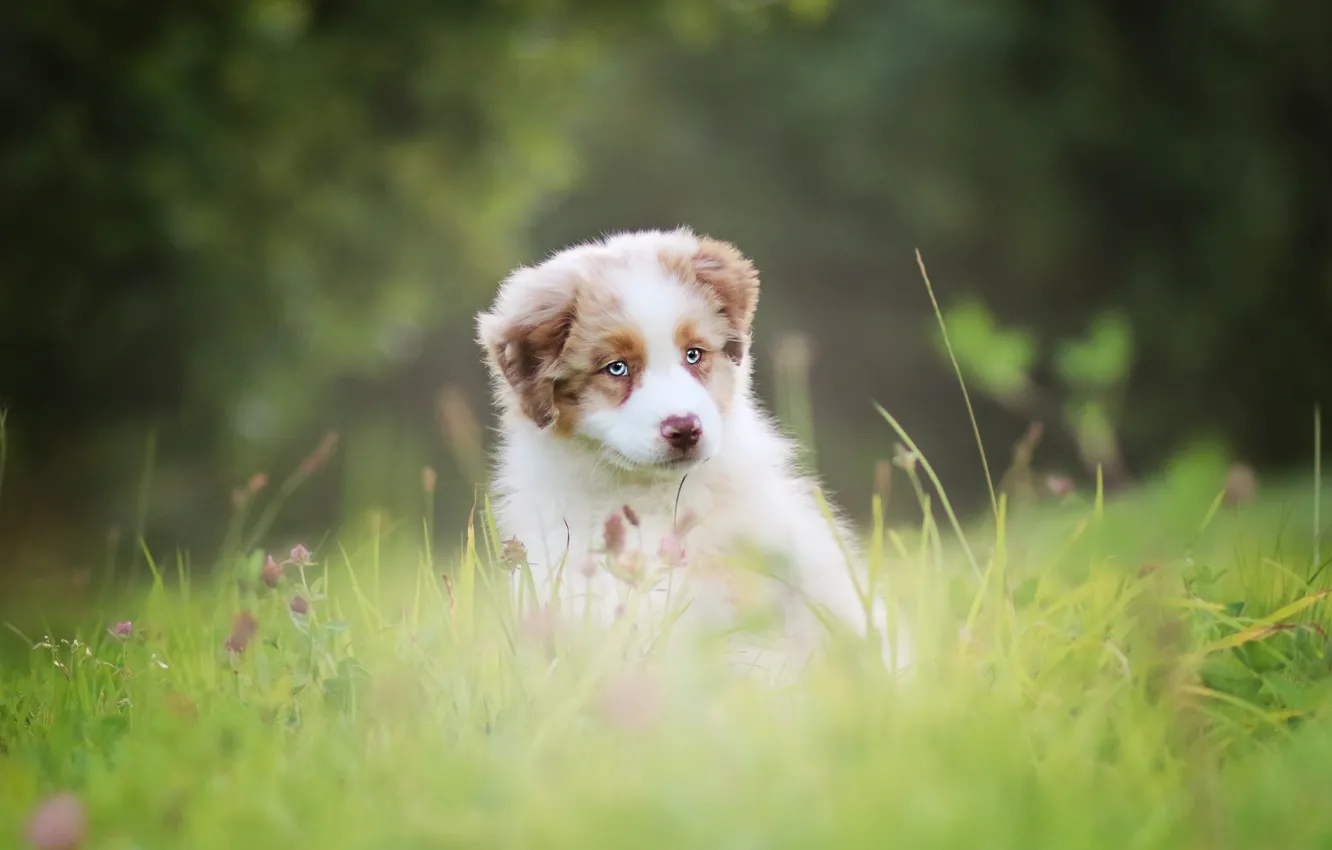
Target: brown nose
point(682, 432)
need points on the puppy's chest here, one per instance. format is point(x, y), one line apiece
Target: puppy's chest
point(649, 526)
point(682, 554)
point(665, 534)
point(559, 521)
point(673, 545)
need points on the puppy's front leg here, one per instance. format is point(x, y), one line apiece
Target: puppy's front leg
point(828, 574)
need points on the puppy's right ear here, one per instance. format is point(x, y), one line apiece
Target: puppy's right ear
point(523, 336)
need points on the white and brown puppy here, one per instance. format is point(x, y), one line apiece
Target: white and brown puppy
point(622, 370)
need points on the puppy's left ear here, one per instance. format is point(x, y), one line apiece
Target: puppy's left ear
point(734, 283)
point(523, 336)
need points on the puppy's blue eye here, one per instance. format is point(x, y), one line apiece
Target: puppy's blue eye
point(693, 355)
point(618, 369)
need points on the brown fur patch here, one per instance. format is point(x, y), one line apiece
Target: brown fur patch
point(590, 350)
point(687, 334)
point(526, 355)
point(551, 350)
point(686, 337)
point(716, 375)
point(566, 395)
point(731, 282)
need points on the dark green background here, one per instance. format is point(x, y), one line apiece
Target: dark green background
point(236, 226)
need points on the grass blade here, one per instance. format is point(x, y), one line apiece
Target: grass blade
point(966, 396)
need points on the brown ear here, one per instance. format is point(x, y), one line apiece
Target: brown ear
point(523, 344)
point(734, 283)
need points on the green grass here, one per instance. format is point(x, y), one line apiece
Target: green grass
point(1149, 672)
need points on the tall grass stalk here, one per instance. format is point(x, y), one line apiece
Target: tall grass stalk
point(966, 396)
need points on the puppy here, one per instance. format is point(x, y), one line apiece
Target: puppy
point(634, 457)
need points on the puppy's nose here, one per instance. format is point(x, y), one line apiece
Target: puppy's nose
point(682, 432)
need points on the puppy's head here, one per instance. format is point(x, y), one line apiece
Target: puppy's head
point(637, 345)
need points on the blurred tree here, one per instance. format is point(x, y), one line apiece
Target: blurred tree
point(248, 222)
point(236, 219)
point(1052, 158)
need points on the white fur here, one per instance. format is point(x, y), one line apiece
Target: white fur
point(554, 493)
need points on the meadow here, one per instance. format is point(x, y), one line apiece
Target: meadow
point(231, 226)
point(1141, 671)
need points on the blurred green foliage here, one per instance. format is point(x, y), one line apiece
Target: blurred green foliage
point(245, 224)
point(999, 359)
point(1060, 161)
point(1100, 361)
point(1093, 368)
point(221, 214)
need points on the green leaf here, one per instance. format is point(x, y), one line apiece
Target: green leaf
point(998, 359)
point(1102, 359)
